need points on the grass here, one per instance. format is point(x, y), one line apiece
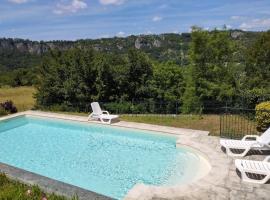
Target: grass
point(201, 122)
point(15, 190)
point(22, 97)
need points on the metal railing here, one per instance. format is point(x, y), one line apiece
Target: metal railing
point(238, 122)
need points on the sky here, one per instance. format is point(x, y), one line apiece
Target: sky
point(81, 19)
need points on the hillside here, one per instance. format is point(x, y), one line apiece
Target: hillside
point(19, 53)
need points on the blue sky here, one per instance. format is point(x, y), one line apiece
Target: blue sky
point(80, 19)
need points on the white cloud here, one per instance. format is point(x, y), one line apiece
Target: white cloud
point(157, 18)
point(111, 2)
point(105, 36)
point(121, 34)
point(18, 1)
point(228, 26)
point(236, 17)
point(72, 7)
point(256, 24)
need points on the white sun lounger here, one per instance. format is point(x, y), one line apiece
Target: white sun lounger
point(101, 115)
point(255, 168)
point(260, 143)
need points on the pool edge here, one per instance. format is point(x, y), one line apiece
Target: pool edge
point(49, 185)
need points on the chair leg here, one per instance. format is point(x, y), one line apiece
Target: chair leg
point(230, 153)
point(102, 120)
point(105, 122)
point(247, 179)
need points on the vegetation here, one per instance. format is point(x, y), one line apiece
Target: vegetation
point(8, 107)
point(198, 122)
point(22, 97)
point(69, 80)
point(18, 77)
point(17, 191)
point(263, 115)
point(212, 69)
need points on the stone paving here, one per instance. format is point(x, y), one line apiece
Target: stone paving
point(222, 182)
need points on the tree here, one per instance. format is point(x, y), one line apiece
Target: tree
point(258, 63)
point(209, 78)
point(140, 70)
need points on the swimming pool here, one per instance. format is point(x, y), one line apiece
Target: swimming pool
point(104, 159)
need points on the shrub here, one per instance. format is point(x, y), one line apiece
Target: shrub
point(114, 107)
point(3, 111)
point(8, 106)
point(263, 115)
point(125, 108)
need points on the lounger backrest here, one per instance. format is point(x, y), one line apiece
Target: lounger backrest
point(265, 137)
point(96, 108)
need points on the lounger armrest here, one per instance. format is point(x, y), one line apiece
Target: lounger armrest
point(250, 136)
point(267, 159)
point(105, 112)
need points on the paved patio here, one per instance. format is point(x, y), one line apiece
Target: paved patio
point(222, 182)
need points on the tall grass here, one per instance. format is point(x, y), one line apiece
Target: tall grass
point(14, 190)
point(22, 97)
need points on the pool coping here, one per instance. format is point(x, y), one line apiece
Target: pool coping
point(220, 183)
point(49, 185)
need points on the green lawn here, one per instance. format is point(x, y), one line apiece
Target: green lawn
point(13, 190)
point(204, 122)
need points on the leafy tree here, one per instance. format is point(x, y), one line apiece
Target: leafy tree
point(211, 57)
point(258, 63)
point(139, 72)
point(167, 83)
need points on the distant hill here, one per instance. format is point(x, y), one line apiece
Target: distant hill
point(19, 53)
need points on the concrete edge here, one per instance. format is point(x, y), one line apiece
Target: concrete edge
point(49, 185)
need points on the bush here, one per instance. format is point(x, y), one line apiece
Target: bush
point(3, 111)
point(263, 115)
point(9, 107)
point(125, 108)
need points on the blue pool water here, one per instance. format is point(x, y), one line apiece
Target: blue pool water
point(103, 159)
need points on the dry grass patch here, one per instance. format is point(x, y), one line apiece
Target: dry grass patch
point(22, 97)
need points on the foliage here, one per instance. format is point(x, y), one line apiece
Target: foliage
point(75, 77)
point(191, 101)
point(3, 111)
point(258, 63)
point(8, 106)
point(263, 115)
point(18, 77)
point(186, 73)
point(208, 75)
point(124, 107)
point(17, 191)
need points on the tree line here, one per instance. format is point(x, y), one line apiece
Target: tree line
point(219, 70)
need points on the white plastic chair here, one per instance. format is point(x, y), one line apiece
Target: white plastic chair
point(98, 114)
point(257, 168)
point(260, 143)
